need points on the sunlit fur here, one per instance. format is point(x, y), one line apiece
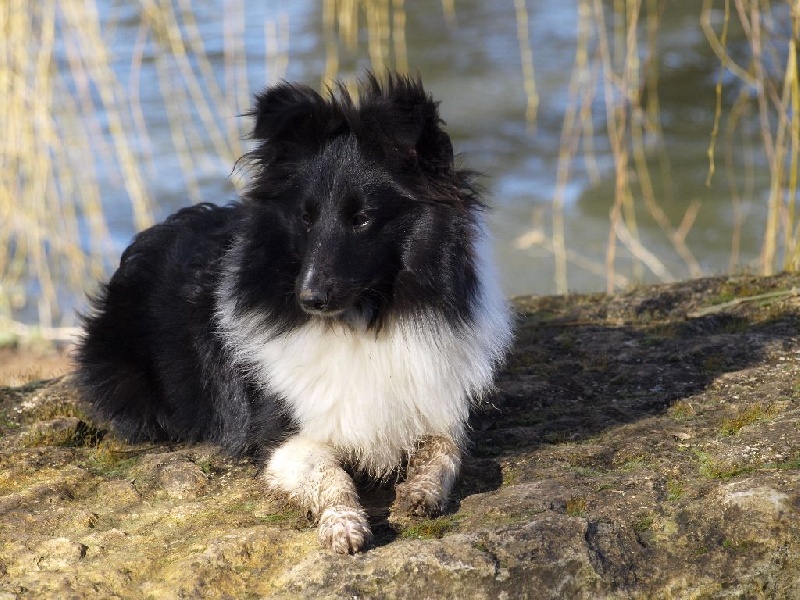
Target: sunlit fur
point(347, 311)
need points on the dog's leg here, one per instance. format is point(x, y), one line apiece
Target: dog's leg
point(310, 474)
point(432, 470)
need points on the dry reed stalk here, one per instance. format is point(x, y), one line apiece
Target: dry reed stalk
point(568, 146)
point(173, 97)
point(378, 33)
point(526, 57)
point(645, 120)
point(615, 116)
point(46, 188)
point(752, 21)
point(236, 63)
point(655, 10)
point(134, 95)
point(331, 41)
point(745, 197)
point(587, 132)
point(449, 9)
point(276, 36)
point(190, 32)
point(792, 87)
point(630, 86)
point(54, 232)
point(777, 103)
point(347, 21)
point(536, 237)
point(340, 28)
point(399, 33)
point(705, 22)
point(83, 18)
point(628, 122)
point(169, 34)
point(384, 22)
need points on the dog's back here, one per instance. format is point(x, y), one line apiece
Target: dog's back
point(149, 337)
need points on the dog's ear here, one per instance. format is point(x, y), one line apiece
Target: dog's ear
point(294, 119)
point(403, 120)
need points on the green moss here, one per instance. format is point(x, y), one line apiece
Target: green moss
point(289, 516)
point(576, 506)
point(674, 490)
point(732, 290)
point(738, 545)
point(633, 464)
point(586, 471)
point(207, 466)
point(747, 416)
point(117, 469)
point(717, 469)
point(643, 523)
point(83, 434)
point(510, 475)
point(111, 459)
point(49, 439)
point(726, 294)
point(681, 410)
point(431, 528)
point(793, 463)
point(47, 411)
point(7, 421)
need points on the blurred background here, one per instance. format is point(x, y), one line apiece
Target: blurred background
point(622, 141)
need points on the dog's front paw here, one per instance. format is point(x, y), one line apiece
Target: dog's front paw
point(344, 529)
point(418, 500)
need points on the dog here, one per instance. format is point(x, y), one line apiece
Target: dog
point(345, 313)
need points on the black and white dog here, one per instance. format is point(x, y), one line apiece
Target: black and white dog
point(345, 313)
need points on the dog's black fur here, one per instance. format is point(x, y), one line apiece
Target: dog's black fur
point(357, 215)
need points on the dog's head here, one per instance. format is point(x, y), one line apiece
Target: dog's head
point(368, 192)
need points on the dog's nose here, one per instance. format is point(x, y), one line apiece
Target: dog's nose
point(313, 298)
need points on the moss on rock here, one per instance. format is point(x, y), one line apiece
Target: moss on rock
point(631, 437)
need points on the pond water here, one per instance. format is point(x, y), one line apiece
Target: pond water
point(471, 62)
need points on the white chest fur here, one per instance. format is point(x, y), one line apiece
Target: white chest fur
point(371, 396)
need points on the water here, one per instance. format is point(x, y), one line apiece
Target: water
point(473, 66)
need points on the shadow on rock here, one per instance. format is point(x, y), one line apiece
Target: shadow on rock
point(571, 377)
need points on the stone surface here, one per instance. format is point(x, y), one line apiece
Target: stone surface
point(645, 445)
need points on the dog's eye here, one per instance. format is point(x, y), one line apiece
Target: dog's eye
point(360, 221)
point(308, 219)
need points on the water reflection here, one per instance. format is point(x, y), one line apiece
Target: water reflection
point(471, 61)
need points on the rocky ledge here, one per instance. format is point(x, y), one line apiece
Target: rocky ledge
point(644, 445)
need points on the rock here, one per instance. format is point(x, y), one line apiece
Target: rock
point(643, 445)
point(58, 554)
point(173, 474)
